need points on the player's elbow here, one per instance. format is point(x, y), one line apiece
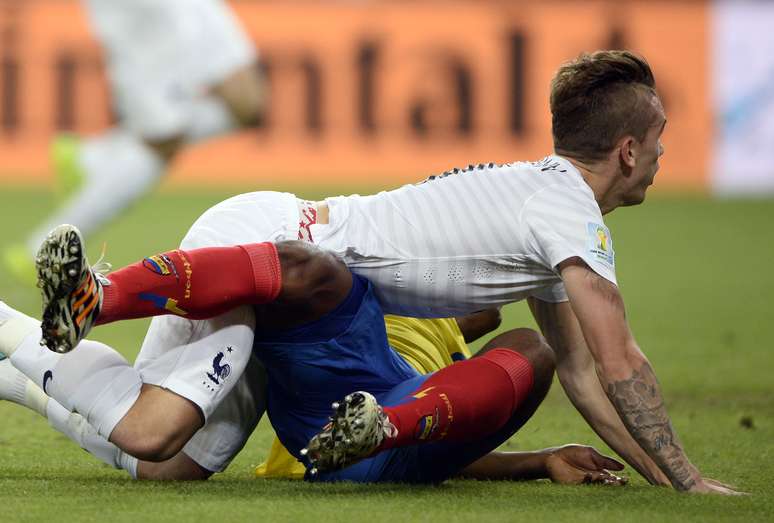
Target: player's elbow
point(620, 365)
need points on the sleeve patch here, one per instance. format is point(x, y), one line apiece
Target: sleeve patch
point(599, 244)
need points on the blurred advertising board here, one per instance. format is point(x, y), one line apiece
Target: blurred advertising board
point(377, 92)
point(743, 95)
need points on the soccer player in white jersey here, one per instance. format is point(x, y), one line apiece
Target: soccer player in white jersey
point(180, 71)
point(461, 242)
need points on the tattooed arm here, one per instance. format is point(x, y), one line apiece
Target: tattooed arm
point(577, 374)
point(626, 376)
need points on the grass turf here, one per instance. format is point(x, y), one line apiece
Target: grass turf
point(696, 276)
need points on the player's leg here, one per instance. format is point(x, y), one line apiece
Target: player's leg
point(151, 420)
point(227, 431)
point(160, 421)
point(17, 388)
point(172, 86)
point(297, 280)
point(192, 360)
point(478, 400)
point(445, 459)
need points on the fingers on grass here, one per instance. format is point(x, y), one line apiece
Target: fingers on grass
point(603, 478)
point(719, 483)
point(606, 462)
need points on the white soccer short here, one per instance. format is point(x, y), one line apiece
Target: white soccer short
point(209, 362)
point(163, 54)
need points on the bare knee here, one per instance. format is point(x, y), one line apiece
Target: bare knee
point(157, 426)
point(166, 148)
point(530, 344)
point(244, 92)
point(178, 468)
point(314, 282)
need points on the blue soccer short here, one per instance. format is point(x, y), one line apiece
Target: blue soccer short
point(311, 366)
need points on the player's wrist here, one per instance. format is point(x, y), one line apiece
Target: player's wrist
point(695, 480)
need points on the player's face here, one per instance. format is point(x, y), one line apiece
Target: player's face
point(649, 152)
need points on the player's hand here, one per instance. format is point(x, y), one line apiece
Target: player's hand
point(578, 464)
point(713, 486)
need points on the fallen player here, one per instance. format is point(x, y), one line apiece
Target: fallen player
point(426, 343)
point(429, 249)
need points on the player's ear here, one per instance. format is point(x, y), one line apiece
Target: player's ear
point(627, 151)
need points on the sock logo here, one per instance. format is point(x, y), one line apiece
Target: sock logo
point(188, 270)
point(219, 372)
point(160, 264)
point(426, 426)
point(47, 376)
point(169, 304)
point(422, 393)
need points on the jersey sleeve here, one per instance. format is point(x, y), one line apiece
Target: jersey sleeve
point(555, 293)
point(561, 222)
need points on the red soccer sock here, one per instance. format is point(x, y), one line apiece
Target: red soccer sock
point(464, 402)
point(196, 284)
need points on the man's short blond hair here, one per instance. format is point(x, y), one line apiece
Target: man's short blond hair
point(599, 98)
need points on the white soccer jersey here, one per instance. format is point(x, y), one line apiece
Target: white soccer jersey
point(457, 243)
point(471, 239)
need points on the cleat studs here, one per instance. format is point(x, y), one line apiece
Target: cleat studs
point(72, 273)
point(348, 441)
point(304, 451)
point(348, 398)
point(74, 249)
point(313, 471)
point(334, 406)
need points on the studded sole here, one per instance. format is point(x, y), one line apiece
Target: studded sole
point(354, 433)
point(61, 266)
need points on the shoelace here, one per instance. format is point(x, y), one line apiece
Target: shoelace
point(101, 267)
point(390, 430)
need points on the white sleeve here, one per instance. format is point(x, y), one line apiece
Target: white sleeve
point(562, 222)
point(552, 294)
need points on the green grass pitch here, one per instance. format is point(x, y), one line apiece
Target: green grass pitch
point(697, 278)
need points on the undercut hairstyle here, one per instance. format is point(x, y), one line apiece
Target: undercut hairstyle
point(599, 98)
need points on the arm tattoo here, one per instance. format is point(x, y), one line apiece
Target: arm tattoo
point(641, 407)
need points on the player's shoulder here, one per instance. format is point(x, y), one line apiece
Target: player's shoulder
point(556, 179)
point(551, 170)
